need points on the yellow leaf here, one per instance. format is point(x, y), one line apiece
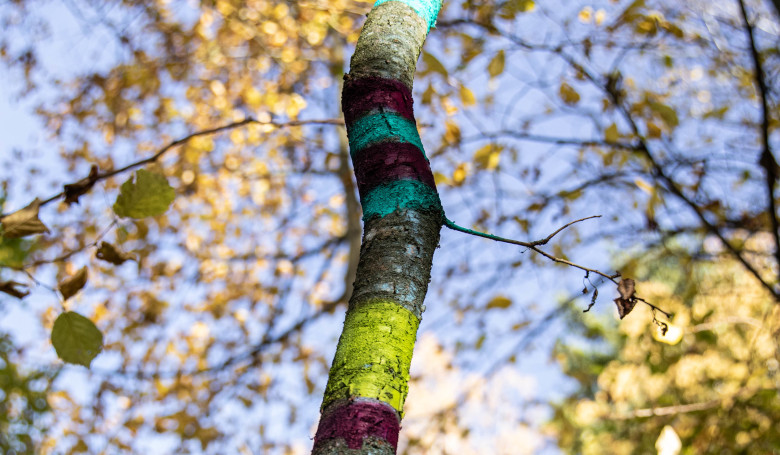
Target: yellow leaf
point(467, 96)
point(653, 131)
point(496, 65)
point(451, 132)
point(433, 64)
point(427, 95)
point(585, 15)
point(480, 342)
point(488, 156)
point(568, 94)
point(667, 113)
point(611, 133)
point(460, 173)
point(499, 302)
point(644, 186)
point(440, 179)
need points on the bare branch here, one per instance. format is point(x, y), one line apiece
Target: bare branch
point(83, 185)
point(551, 140)
point(534, 246)
point(767, 159)
point(669, 410)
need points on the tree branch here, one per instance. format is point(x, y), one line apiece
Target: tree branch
point(534, 245)
point(551, 140)
point(767, 159)
point(85, 184)
point(613, 93)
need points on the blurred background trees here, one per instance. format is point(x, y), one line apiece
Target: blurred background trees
point(219, 317)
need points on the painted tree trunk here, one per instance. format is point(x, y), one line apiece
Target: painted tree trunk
point(363, 404)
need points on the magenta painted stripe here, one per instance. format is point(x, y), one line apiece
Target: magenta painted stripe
point(388, 162)
point(357, 420)
point(364, 95)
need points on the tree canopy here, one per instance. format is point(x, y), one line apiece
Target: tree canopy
point(180, 216)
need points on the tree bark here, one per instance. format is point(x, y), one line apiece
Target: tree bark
point(368, 381)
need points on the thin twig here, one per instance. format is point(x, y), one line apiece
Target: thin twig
point(67, 255)
point(451, 224)
point(551, 140)
point(534, 246)
point(668, 315)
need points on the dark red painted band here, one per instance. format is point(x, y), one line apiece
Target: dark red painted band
point(364, 95)
point(390, 161)
point(357, 420)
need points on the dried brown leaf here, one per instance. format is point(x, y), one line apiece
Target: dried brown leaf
point(73, 284)
point(23, 222)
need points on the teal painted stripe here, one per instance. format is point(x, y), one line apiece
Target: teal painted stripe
point(400, 194)
point(374, 128)
point(427, 9)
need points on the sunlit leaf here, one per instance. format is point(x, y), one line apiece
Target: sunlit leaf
point(496, 65)
point(23, 222)
point(667, 113)
point(499, 302)
point(653, 131)
point(148, 195)
point(611, 133)
point(76, 339)
point(459, 174)
point(488, 156)
point(644, 186)
point(73, 284)
point(511, 8)
point(480, 342)
point(718, 113)
point(568, 94)
point(433, 64)
point(467, 96)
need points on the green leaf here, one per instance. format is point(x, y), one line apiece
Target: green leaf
point(149, 195)
point(499, 302)
point(496, 65)
point(73, 284)
point(76, 339)
point(23, 222)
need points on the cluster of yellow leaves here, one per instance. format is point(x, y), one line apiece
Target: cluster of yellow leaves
point(720, 352)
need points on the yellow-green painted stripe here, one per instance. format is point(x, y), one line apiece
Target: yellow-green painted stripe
point(374, 353)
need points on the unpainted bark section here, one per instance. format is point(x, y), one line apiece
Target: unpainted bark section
point(371, 446)
point(390, 43)
point(396, 257)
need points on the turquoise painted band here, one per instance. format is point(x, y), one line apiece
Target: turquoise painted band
point(400, 194)
point(371, 129)
point(426, 9)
